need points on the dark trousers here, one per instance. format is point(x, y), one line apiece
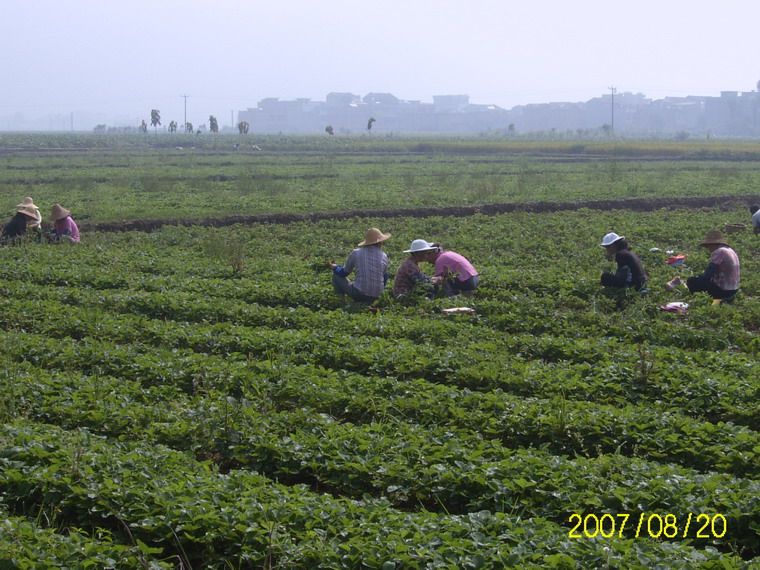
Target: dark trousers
point(610, 280)
point(343, 286)
point(454, 286)
point(698, 284)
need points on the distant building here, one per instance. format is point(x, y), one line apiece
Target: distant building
point(731, 114)
point(450, 103)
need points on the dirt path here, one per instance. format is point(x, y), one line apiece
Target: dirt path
point(635, 204)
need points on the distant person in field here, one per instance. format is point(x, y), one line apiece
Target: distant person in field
point(409, 276)
point(64, 228)
point(36, 223)
point(17, 227)
point(452, 271)
point(369, 263)
point(721, 278)
point(754, 209)
point(630, 272)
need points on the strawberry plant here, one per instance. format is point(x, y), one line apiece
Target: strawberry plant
point(166, 406)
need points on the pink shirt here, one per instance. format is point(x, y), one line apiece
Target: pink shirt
point(450, 262)
point(66, 226)
point(727, 276)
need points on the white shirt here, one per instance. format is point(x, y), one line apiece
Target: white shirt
point(756, 219)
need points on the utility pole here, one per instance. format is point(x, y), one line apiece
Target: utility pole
point(184, 124)
point(613, 90)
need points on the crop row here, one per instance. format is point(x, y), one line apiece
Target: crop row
point(700, 383)
point(537, 302)
point(26, 545)
point(558, 424)
point(183, 511)
point(437, 466)
point(104, 185)
point(246, 302)
point(555, 397)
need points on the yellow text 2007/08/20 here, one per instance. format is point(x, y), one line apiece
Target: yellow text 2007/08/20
point(652, 525)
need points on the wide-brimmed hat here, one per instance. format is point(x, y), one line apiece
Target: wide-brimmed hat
point(419, 245)
point(28, 211)
point(610, 238)
point(59, 212)
point(27, 202)
point(373, 236)
point(714, 237)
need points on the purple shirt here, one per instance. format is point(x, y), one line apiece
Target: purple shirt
point(66, 226)
point(450, 262)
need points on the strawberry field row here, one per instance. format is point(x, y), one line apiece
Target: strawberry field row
point(555, 397)
point(145, 182)
point(155, 496)
point(560, 425)
point(23, 544)
point(435, 466)
point(708, 386)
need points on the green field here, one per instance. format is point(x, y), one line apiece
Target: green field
point(196, 396)
point(147, 177)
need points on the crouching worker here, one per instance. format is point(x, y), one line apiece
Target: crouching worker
point(409, 276)
point(721, 278)
point(64, 228)
point(754, 209)
point(370, 264)
point(33, 226)
point(453, 271)
point(17, 227)
point(630, 271)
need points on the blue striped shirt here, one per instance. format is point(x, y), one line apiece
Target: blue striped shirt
point(370, 263)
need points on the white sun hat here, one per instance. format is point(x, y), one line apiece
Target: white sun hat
point(419, 245)
point(610, 238)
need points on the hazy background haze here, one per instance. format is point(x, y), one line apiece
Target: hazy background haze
point(79, 63)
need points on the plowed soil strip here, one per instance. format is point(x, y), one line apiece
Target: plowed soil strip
point(636, 204)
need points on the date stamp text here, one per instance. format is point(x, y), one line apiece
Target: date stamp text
point(651, 525)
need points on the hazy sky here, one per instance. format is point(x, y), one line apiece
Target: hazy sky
point(123, 58)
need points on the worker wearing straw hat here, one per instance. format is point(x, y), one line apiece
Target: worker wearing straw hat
point(29, 203)
point(17, 227)
point(369, 263)
point(64, 228)
point(721, 278)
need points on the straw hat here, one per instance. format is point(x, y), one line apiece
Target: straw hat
point(714, 237)
point(28, 211)
point(610, 238)
point(419, 245)
point(27, 202)
point(373, 236)
point(59, 212)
